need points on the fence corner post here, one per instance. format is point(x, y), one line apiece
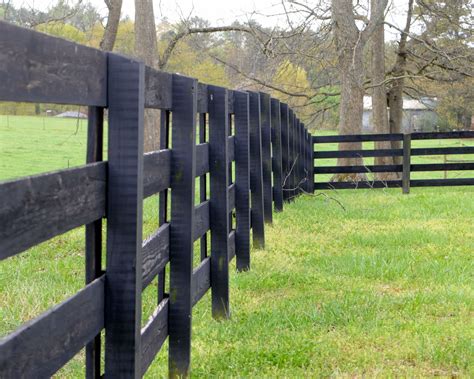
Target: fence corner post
point(406, 163)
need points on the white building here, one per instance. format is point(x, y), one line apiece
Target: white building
point(418, 115)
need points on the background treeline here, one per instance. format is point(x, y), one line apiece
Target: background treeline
point(300, 65)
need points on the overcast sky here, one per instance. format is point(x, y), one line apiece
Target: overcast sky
point(219, 12)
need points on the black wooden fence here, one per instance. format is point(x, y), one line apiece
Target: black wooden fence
point(272, 151)
point(406, 151)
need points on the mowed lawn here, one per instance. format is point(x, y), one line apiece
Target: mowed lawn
point(382, 286)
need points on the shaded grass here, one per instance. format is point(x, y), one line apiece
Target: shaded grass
point(384, 288)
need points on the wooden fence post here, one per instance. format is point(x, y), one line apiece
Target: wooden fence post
point(291, 177)
point(242, 180)
point(406, 163)
point(311, 163)
point(219, 201)
point(183, 166)
point(266, 157)
point(277, 155)
point(285, 148)
point(95, 130)
point(126, 89)
point(256, 176)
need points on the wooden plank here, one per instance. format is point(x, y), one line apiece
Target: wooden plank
point(442, 150)
point(442, 182)
point(163, 196)
point(203, 178)
point(202, 159)
point(357, 169)
point(232, 197)
point(37, 208)
point(124, 217)
point(219, 186)
point(266, 157)
point(155, 254)
point(277, 159)
point(43, 69)
point(201, 219)
point(201, 281)
point(360, 153)
point(42, 346)
point(156, 172)
point(406, 163)
point(242, 180)
point(442, 166)
point(93, 245)
point(158, 91)
point(182, 223)
point(202, 105)
point(358, 185)
point(285, 147)
point(231, 148)
point(358, 138)
point(256, 178)
point(154, 334)
point(442, 135)
point(231, 245)
point(291, 182)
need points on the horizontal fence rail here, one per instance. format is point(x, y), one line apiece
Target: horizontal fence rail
point(252, 150)
point(404, 168)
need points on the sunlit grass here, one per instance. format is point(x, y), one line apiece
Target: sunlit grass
point(381, 288)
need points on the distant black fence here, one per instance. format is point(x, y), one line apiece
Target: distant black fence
point(272, 151)
point(405, 168)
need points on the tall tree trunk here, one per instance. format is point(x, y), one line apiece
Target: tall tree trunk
point(146, 49)
point(351, 107)
point(395, 94)
point(379, 99)
point(110, 33)
point(350, 45)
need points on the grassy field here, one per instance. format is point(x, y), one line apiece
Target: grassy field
point(382, 286)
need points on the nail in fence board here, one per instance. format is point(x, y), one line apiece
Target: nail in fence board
point(256, 176)
point(406, 163)
point(277, 155)
point(124, 217)
point(266, 157)
point(242, 180)
point(182, 223)
point(219, 201)
point(93, 255)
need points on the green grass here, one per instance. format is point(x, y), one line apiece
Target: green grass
point(384, 288)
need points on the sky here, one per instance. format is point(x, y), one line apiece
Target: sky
point(218, 12)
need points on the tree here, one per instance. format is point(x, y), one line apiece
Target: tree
point(350, 44)
point(111, 28)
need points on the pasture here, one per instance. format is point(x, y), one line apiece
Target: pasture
point(380, 286)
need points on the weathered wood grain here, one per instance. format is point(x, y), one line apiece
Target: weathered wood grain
point(202, 159)
point(156, 172)
point(201, 281)
point(155, 253)
point(35, 67)
point(154, 334)
point(201, 219)
point(158, 91)
point(37, 208)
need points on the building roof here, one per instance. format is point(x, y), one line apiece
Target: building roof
point(72, 114)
